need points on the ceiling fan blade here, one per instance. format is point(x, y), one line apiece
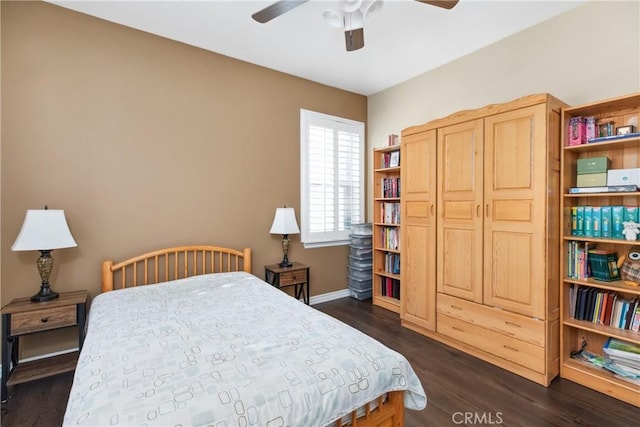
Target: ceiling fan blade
point(354, 39)
point(276, 9)
point(445, 4)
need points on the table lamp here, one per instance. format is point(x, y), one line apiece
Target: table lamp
point(44, 230)
point(285, 223)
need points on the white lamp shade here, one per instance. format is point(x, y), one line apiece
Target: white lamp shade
point(44, 229)
point(284, 222)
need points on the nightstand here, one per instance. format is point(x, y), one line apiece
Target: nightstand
point(22, 317)
point(297, 275)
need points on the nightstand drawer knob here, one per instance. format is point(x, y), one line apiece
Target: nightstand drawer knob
point(44, 319)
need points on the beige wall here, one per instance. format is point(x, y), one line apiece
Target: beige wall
point(146, 143)
point(589, 53)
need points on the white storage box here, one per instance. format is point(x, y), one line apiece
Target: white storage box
point(623, 176)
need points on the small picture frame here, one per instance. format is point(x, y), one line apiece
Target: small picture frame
point(394, 159)
point(624, 130)
point(605, 129)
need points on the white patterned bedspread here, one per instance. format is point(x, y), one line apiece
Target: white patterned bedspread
point(226, 349)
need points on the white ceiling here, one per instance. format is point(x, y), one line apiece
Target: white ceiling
point(403, 40)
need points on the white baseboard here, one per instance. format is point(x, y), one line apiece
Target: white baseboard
point(329, 296)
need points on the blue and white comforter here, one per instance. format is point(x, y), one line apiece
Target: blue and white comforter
point(226, 349)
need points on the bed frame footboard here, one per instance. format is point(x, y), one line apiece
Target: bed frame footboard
point(388, 413)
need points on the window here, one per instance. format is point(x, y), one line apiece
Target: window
point(332, 178)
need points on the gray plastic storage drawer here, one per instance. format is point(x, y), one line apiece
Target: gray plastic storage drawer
point(360, 295)
point(361, 229)
point(360, 274)
point(357, 240)
point(360, 284)
point(360, 251)
point(360, 262)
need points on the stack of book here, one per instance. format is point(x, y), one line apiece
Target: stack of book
point(623, 359)
point(604, 307)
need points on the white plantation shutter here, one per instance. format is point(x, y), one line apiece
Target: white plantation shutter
point(332, 178)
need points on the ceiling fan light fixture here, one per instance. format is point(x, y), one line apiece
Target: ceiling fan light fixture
point(353, 20)
point(349, 6)
point(370, 8)
point(333, 18)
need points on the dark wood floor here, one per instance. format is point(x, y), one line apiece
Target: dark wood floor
point(457, 386)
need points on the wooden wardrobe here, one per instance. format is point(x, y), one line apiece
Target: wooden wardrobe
point(480, 233)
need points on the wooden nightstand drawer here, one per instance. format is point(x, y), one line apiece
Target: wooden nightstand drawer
point(42, 320)
point(293, 277)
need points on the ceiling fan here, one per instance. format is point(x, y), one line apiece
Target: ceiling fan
point(351, 15)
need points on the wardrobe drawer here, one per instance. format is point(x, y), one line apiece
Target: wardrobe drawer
point(500, 321)
point(522, 353)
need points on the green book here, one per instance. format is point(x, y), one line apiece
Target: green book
point(588, 221)
point(596, 221)
point(605, 221)
point(580, 221)
point(617, 218)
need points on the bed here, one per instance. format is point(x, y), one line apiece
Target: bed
point(211, 344)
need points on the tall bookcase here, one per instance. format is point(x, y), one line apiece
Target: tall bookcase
point(386, 227)
point(575, 331)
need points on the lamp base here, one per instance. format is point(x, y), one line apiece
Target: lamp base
point(285, 264)
point(45, 294)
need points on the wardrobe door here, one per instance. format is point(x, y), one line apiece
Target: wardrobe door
point(515, 210)
point(418, 233)
point(460, 215)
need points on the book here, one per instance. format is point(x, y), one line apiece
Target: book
point(603, 264)
point(604, 189)
point(580, 221)
point(635, 326)
point(591, 299)
point(581, 302)
point(613, 138)
point(617, 218)
point(621, 348)
point(596, 222)
point(630, 313)
point(588, 222)
point(607, 313)
point(605, 221)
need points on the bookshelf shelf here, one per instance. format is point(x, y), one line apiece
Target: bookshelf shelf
point(601, 379)
point(598, 240)
point(605, 145)
point(616, 285)
point(613, 194)
point(386, 226)
point(622, 153)
point(607, 331)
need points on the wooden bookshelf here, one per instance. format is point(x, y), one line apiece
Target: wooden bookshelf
point(386, 225)
point(622, 154)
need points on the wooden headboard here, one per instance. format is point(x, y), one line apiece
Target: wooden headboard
point(173, 263)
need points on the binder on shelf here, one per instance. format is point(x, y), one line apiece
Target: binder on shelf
point(604, 189)
point(613, 138)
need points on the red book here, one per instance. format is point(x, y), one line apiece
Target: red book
point(609, 308)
